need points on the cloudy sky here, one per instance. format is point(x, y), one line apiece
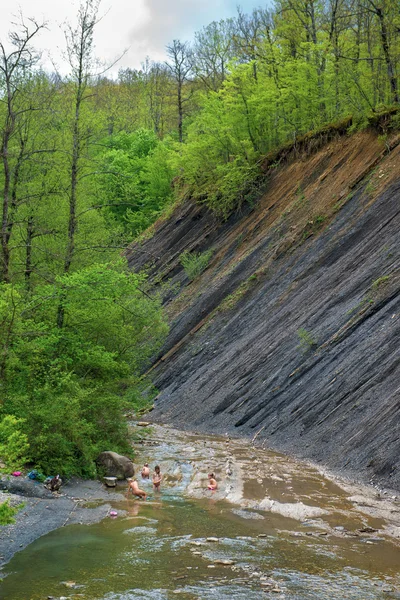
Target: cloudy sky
point(142, 27)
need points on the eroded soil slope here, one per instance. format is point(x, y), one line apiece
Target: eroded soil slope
point(291, 335)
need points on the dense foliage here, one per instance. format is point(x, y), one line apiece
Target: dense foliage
point(88, 163)
point(76, 326)
point(65, 385)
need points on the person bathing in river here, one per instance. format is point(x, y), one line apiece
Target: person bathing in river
point(146, 471)
point(134, 488)
point(212, 483)
point(157, 478)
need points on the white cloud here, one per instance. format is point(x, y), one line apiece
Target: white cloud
point(142, 27)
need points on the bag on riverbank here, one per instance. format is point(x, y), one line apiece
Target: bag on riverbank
point(36, 475)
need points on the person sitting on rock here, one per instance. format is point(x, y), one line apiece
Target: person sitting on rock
point(157, 478)
point(145, 471)
point(54, 484)
point(134, 488)
point(212, 483)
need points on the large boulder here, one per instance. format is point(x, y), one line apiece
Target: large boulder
point(115, 465)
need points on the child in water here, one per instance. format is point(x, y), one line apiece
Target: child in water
point(146, 471)
point(134, 488)
point(157, 478)
point(212, 484)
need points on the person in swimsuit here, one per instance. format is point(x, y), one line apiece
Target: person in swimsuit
point(134, 488)
point(157, 478)
point(212, 484)
point(146, 471)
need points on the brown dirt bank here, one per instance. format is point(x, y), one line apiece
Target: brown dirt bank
point(292, 332)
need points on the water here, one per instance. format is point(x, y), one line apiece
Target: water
point(159, 549)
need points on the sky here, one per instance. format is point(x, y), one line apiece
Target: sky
point(139, 28)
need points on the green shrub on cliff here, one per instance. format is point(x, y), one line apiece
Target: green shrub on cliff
point(195, 263)
point(307, 339)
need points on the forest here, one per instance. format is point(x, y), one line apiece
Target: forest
point(90, 162)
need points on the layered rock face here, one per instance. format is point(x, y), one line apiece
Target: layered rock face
point(291, 334)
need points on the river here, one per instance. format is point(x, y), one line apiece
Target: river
point(275, 528)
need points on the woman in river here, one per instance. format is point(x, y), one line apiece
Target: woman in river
point(157, 478)
point(212, 483)
point(134, 488)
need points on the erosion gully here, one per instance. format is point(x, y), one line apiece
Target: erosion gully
point(276, 527)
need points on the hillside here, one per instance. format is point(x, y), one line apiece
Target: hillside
point(291, 334)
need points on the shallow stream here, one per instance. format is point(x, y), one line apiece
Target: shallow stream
point(282, 530)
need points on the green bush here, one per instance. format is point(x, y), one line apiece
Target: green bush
point(195, 263)
point(7, 512)
point(14, 446)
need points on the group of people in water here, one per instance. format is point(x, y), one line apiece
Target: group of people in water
point(135, 490)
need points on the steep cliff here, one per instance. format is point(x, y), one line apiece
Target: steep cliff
point(291, 334)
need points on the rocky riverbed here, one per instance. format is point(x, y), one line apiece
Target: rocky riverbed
point(277, 524)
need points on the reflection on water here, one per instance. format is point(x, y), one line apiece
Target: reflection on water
point(159, 550)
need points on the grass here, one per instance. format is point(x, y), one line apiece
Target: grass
point(378, 283)
point(307, 339)
point(195, 263)
point(313, 226)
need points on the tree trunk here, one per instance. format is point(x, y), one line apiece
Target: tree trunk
point(388, 60)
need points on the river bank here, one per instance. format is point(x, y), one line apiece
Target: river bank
point(80, 501)
point(256, 484)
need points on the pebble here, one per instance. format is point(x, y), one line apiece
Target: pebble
point(211, 566)
point(212, 539)
point(262, 535)
point(221, 561)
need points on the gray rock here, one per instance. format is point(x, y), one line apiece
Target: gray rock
point(221, 561)
point(25, 487)
point(115, 465)
point(110, 481)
